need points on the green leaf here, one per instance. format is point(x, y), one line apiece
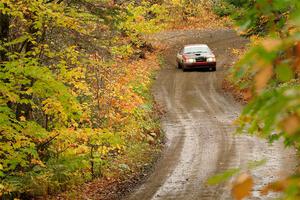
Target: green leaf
point(222, 177)
point(254, 164)
point(284, 73)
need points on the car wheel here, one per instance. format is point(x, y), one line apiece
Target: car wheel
point(214, 68)
point(178, 65)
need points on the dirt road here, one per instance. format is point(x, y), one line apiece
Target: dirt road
point(198, 127)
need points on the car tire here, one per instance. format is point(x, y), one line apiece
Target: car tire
point(179, 65)
point(214, 69)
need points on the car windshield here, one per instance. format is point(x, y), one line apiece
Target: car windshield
point(196, 49)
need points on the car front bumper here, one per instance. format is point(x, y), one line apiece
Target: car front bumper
point(199, 65)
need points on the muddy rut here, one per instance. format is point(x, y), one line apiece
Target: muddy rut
point(199, 129)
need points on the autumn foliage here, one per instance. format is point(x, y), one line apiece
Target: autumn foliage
point(73, 95)
point(75, 100)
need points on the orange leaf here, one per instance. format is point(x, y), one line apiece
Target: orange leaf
point(297, 60)
point(271, 44)
point(140, 18)
point(247, 94)
point(277, 186)
point(242, 186)
point(37, 162)
point(291, 124)
point(262, 77)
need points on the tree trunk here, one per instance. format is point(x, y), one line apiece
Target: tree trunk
point(4, 31)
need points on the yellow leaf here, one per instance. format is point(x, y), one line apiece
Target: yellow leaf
point(22, 119)
point(235, 51)
point(242, 187)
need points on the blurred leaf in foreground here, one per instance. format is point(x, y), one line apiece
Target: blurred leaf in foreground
point(242, 186)
point(223, 176)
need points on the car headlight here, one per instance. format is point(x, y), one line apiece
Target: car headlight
point(190, 60)
point(211, 59)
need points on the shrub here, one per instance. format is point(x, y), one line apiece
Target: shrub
point(224, 9)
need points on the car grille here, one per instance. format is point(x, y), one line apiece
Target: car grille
point(201, 59)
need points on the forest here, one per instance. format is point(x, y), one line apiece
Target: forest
point(76, 105)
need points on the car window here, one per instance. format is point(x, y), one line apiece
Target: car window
point(196, 49)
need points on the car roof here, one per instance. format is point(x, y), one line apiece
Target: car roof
point(196, 45)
